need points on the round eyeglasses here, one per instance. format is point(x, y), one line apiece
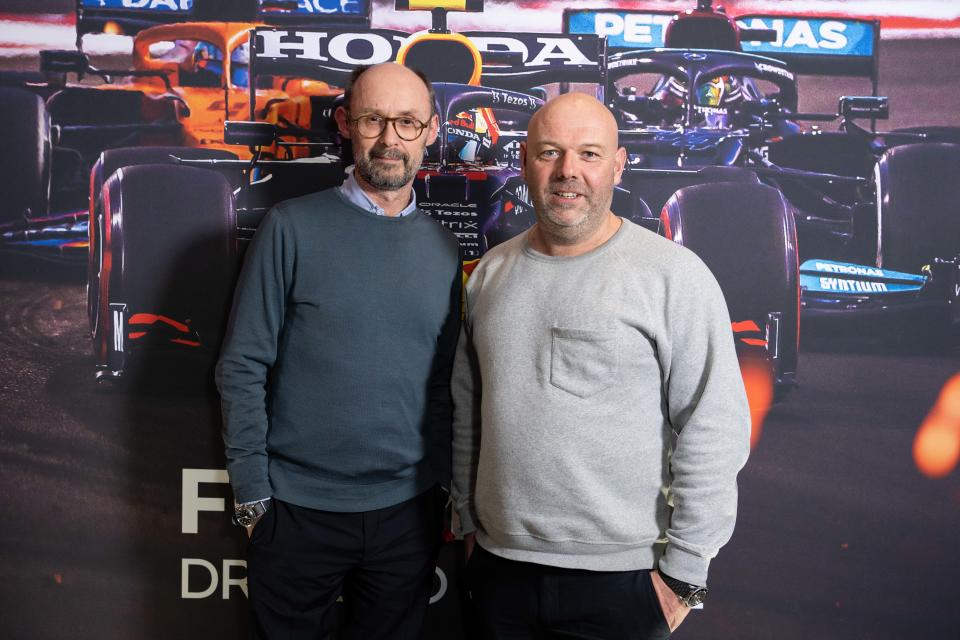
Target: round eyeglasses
point(373, 125)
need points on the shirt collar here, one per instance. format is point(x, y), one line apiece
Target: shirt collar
point(351, 190)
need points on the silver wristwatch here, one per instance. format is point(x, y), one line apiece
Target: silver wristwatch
point(691, 595)
point(246, 515)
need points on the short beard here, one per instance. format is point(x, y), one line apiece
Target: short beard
point(383, 180)
point(569, 234)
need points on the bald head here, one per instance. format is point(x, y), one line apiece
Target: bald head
point(392, 74)
point(575, 109)
point(571, 162)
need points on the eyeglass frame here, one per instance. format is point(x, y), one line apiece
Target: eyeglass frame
point(391, 121)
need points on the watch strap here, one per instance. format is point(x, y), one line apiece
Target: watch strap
point(247, 514)
point(689, 594)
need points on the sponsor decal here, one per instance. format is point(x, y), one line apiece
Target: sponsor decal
point(849, 269)
point(522, 192)
point(461, 225)
point(320, 46)
point(372, 47)
point(763, 67)
point(456, 208)
point(814, 267)
point(510, 99)
point(311, 7)
point(710, 111)
point(465, 133)
point(534, 50)
point(811, 36)
point(852, 286)
point(621, 28)
point(511, 150)
point(147, 5)
point(618, 64)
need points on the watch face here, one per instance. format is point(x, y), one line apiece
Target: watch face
point(244, 516)
point(696, 597)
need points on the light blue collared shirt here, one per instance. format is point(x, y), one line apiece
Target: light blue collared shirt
point(350, 189)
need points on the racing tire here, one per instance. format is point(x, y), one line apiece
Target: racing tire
point(169, 254)
point(746, 235)
point(25, 163)
point(655, 191)
point(108, 162)
point(918, 205)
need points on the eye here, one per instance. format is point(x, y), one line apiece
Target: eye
point(549, 154)
point(373, 119)
point(408, 122)
point(590, 155)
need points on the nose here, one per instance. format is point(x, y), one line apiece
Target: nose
point(389, 135)
point(566, 166)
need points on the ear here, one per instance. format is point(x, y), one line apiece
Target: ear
point(343, 124)
point(433, 129)
point(620, 161)
point(523, 160)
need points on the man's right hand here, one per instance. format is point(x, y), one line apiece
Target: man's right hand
point(469, 541)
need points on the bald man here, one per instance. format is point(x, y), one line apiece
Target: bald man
point(600, 418)
point(334, 380)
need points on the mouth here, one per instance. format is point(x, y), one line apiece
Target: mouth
point(566, 195)
point(388, 157)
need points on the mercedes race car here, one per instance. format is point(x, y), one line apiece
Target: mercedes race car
point(865, 224)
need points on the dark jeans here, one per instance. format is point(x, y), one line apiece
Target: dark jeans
point(520, 600)
point(301, 560)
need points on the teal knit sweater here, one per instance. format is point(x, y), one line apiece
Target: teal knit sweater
point(334, 375)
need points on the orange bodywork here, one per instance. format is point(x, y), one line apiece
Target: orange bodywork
point(168, 48)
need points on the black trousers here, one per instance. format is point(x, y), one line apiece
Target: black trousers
point(519, 600)
point(382, 562)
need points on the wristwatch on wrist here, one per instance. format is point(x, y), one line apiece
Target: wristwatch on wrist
point(689, 594)
point(246, 515)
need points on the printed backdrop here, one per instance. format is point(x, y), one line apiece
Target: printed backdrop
point(117, 500)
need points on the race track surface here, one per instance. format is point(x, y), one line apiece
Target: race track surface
point(839, 535)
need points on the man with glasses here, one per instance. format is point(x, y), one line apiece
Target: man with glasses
point(335, 379)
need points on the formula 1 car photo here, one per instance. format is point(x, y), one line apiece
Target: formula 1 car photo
point(189, 75)
point(183, 227)
point(876, 215)
point(724, 168)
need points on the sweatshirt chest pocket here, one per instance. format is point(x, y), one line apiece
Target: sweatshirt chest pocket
point(583, 361)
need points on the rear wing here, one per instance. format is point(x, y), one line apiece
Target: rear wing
point(510, 61)
point(826, 46)
point(355, 13)
point(129, 16)
point(132, 16)
point(624, 29)
point(822, 45)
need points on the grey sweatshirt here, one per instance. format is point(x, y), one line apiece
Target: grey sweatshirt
point(600, 418)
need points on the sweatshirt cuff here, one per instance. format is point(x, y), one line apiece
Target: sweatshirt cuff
point(683, 565)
